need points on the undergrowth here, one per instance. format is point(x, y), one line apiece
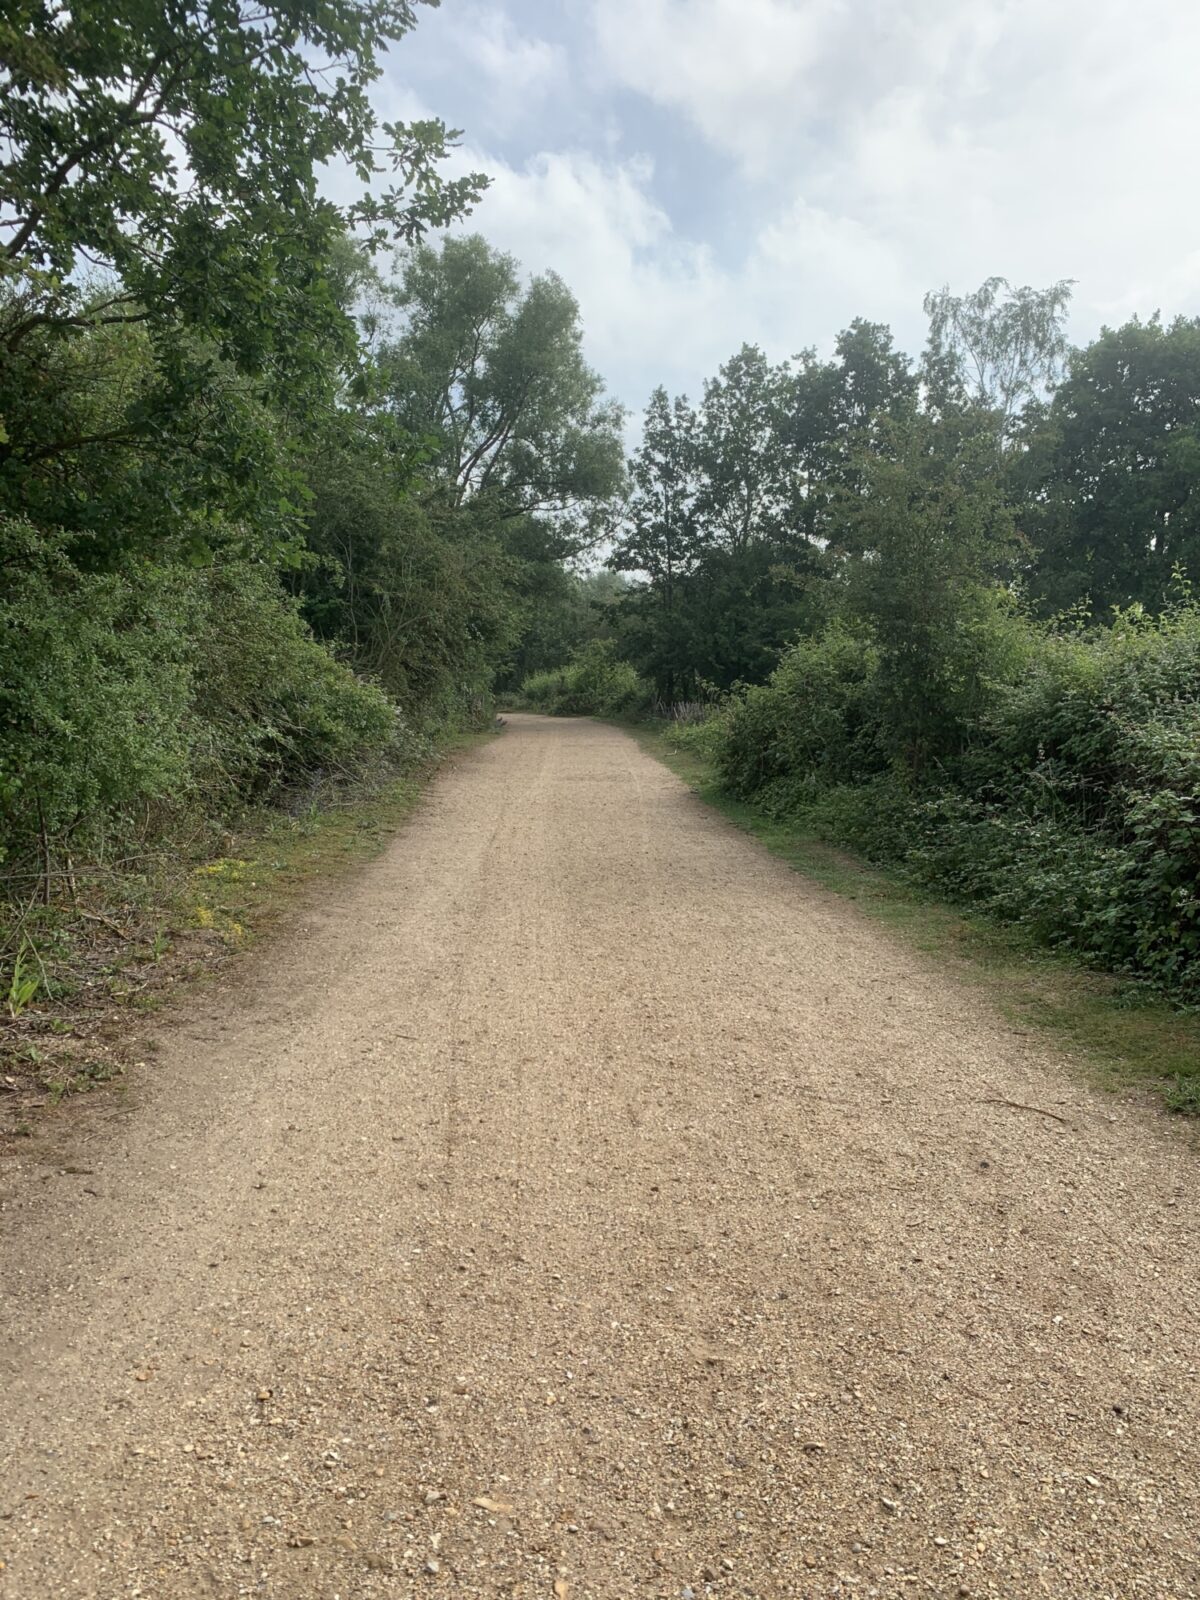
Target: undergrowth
point(1124, 1033)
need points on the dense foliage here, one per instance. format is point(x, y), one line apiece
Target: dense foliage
point(275, 504)
point(270, 511)
point(1066, 796)
point(594, 682)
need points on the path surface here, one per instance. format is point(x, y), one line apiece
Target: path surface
point(585, 1205)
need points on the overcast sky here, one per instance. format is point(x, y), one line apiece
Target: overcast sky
point(708, 172)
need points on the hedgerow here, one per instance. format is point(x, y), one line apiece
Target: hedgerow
point(1071, 806)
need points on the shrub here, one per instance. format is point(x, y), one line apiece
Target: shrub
point(159, 687)
point(595, 682)
point(95, 694)
point(815, 723)
point(702, 735)
point(270, 705)
point(1070, 808)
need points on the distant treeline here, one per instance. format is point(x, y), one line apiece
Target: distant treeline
point(942, 611)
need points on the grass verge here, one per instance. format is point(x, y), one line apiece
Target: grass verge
point(1124, 1037)
point(132, 939)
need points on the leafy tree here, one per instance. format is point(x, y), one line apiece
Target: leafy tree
point(999, 346)
point(418, 602)
point(97, 453)
point(176, 144)
point(927, 537)
point(660, 544)
point(160, 169)
point(714, 529)
point(493, 374)
point(836, 411)
point(740, 609)
point(1112, 470)
point(747, 480)
point(176, 343)
point(474, 455)
point(660, 538)
point(562, 609)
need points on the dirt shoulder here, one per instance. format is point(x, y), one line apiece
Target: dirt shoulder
point(583, 1203)
point(136, 939)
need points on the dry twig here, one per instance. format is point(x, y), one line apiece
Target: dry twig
point(1019, 1105)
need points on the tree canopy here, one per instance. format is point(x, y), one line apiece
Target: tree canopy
point(1113, 472)
point(491, 371)
point(161, 167)
point(1001, 346)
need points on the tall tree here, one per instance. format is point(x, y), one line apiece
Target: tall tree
point(472, 458)
point(928, 532)
point(658, 542)
point(659, 538)
point(493, 374)
point(1113, 469)
point(172, 149)
point(713, 530)
point(1001, 346)
point(836, 409)
point(747, 478)
point(427, 609)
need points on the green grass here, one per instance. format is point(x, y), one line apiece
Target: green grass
point(1118, 1033)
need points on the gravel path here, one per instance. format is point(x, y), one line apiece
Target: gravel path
point(583, 1204)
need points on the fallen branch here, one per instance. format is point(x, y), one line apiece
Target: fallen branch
point(1019, 1105)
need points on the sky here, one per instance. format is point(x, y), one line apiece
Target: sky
point(706, 173)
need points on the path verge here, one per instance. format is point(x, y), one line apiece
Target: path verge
point(125, 950)
point(1118, 1035)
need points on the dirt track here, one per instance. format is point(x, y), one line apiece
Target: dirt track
point(586, 1205)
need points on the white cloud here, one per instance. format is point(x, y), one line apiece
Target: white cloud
point(731, 66)
point(880, 149)
point(811, 257)
point(658, 307)
point(1036, 138)
point(646, 294)
point(519, 72)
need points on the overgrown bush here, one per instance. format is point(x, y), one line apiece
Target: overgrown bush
point(158, 688)
point(702, 735)
point(595, 682)
point(94, 696)
point(270, 704)
point(1070, 808)
point(814, 724)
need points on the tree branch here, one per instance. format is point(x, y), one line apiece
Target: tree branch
point(90, 147)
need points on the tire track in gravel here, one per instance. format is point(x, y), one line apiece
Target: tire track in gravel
point(585, 1204)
